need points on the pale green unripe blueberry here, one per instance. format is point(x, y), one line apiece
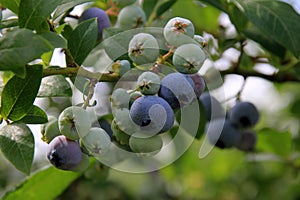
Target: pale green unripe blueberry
point(121, 67)
point(188, 58)
point(50, 130)
point(200, 40)
point(130, 17)
point(179, 31)
point(74, 122)
point(97, 141)
point(119, 98)
point(97, 172)
point(143, 49)
point(121, 137)
point(124, 121)
point(146, 145)
point(148, 83)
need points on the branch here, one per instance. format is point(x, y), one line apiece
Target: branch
point(73, 72)
point(278, 77)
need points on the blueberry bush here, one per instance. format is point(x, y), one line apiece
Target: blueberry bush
point(149, 99)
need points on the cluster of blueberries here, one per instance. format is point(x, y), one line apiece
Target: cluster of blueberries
point(143, 113)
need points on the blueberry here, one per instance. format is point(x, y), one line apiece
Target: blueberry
point(102, 19)
point(134, 96)
point(199, 84)
point(179, 31)
point(120, 98)
point(64, 154)
point(200, 40)
point(130, 17)
point(124, 121)
point(152, 113)
point(143, 49)
point(188, 58)
point(74, 122)
point(97, 141)
point(147, 145)
point(50, 130)
point(222, 133)
point(212, 107)
point(177, 89)
point(121, 136)
point(121, 67)
point(244, 114)
point(148, 83)
point(248, 141)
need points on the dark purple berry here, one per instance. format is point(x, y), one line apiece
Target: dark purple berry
point(64, 154)
point(102, 19)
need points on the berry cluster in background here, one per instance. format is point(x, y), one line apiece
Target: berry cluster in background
point(165, 82)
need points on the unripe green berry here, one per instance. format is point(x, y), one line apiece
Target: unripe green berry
point(188, 58)
point(179, 31)
point(97, 141)
point(143, 49)
point(130, 17)
point(146, 145)
point(148, 83)
point(74, 122)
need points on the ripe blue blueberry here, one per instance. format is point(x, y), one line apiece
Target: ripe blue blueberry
point(130, 17)
point(188, 58)
point(212, 107)
point(177, 89)
point(64, 154)
point(143, 49)
point(102, 19)
point(199, 83)
point(148, 83)
point(223, 134)
point(153, 114)
point(248, 141)
point(179, 31)
point(244, 114)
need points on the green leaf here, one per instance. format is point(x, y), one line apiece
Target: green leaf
point(12, 5)
point(219, 4)
point(19, 94)
point(163, 6)
point(66, 5)
point(148, 7)
point(276, 19)
point(19, 47)
point(46, 184)
point(32, 13)
point(35, 116)
point(267, 42)
point(238, 18)
point(17, 144)
point(82, 40)
point(55, 86)
point(56, 40)
point(273, 141)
